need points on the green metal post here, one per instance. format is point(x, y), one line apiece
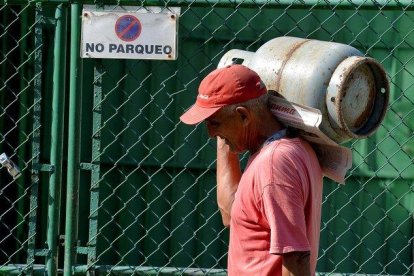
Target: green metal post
point(95, 174)
point(56, 151)
point(72, 195)
point(37, 98)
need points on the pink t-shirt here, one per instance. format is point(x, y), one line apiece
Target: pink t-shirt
point(277, 209)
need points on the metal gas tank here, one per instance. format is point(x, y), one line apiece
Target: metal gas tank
point(349, 89)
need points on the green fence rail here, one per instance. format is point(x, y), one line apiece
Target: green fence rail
point(113, 184)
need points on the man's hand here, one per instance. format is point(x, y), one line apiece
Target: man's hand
point(228, 177)
point(296, 263)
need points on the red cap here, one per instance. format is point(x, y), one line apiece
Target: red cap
point(224, 86)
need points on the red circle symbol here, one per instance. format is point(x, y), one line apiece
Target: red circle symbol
point(128, 28)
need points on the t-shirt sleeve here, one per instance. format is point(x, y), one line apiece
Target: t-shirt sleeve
point(284, 208)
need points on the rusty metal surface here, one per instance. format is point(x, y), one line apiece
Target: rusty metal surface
point(331, 77)
point(285, 59)
point(271, 58)
point(231, 56)
point(354, 99)
point(357, 98)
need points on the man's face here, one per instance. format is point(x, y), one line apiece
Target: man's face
point(227, 125)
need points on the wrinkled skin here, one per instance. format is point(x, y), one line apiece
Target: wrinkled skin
point(241, 128)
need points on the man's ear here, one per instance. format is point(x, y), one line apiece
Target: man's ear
point(243, 113)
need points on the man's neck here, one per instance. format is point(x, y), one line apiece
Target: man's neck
point(266, 127)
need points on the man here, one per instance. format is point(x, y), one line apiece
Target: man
point(273, 208)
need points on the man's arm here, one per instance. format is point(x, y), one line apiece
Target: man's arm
point(228, 177)
point(296, 263)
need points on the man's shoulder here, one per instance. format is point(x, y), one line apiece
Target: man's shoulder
point(290, 150)
point(289, 146)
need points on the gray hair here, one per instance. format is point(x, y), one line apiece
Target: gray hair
point(259, 104)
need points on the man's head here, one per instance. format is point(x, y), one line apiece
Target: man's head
point(226, 86)
point(233, 103)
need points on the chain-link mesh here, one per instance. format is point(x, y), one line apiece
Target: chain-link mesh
point(19, 133)
point(147, 201)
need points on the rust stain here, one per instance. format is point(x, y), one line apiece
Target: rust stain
point(354, 73)
point(342, 88)
point(285, 60)
point(362, 119)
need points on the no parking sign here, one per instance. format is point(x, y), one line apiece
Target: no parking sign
point(129, 33)
point(128, 28)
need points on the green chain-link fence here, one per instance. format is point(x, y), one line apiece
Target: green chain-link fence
point(112, 183)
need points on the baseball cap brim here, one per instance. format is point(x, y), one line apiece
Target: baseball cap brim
point(197, 114)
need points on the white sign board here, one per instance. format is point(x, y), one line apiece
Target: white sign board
point(129, 32)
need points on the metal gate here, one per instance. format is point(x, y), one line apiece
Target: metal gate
point(112, 183)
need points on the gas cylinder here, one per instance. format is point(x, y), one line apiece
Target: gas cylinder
point(349, 89)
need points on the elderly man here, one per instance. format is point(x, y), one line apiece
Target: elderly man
point(273, 208)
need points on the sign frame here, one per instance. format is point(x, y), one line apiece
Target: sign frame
point(126, 32)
